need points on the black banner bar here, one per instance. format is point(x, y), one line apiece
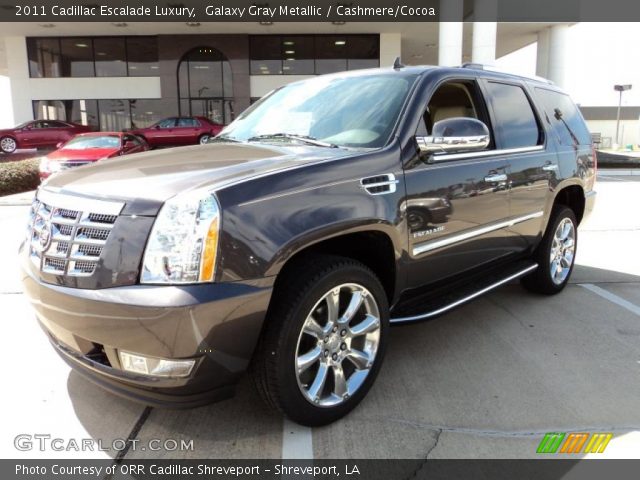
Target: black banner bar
point(320, 469)
point(336, 11)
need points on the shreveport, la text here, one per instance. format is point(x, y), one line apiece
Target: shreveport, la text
point(178, 469)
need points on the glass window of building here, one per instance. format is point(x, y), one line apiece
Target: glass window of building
point(83, 112)
point(205, 84)
point(110, 57)
point(298, 54)
point(142, 54)
point(332, 53)
point(146, 112)
point(77, 57)
point(44, 57)
point(115, 115)
point(266, 54)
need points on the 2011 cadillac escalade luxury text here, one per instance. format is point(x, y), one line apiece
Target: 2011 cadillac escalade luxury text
point(327, 211)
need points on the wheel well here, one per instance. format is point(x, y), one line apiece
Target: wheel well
point(572, 197)
point(373, 249)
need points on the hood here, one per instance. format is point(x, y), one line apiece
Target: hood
point(70, 154)
point(159, 175)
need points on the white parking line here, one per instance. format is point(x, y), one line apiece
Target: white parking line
point(612, 298)
point(297, 441)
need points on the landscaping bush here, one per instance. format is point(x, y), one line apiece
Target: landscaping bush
point(19, 176)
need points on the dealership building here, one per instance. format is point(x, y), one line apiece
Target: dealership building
point(121, 75)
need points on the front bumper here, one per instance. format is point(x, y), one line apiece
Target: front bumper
point(216, 324)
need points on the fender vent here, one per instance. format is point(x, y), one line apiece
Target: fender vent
point(380, 184)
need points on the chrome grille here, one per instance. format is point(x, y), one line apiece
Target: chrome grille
point(66, 241)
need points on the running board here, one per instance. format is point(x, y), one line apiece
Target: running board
point(436, 308)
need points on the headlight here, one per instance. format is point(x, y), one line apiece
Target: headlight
point(183, 244)
point(49, 166)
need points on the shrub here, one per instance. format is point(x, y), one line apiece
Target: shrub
point(19, 176)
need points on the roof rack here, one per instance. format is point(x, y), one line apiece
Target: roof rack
point(493, 68)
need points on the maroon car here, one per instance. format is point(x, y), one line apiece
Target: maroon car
point(89, 148)
point(179, 131)
point(38, 134)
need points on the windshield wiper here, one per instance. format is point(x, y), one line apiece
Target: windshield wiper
point(301, 138)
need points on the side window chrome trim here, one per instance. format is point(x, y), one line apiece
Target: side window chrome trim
point(476, 232)
point(484, 153)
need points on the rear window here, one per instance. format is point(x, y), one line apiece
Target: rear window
point(515, 124)
point(564, 117)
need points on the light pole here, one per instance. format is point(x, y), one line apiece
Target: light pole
point(620, 88)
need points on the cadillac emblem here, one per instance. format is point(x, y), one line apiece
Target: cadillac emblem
point(45, 238)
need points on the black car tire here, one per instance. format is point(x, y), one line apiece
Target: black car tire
point(542, 279)
point(275, 368)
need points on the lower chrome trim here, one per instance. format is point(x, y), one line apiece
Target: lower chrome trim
point(434, 244)
point(445, 157)
point(466, 299)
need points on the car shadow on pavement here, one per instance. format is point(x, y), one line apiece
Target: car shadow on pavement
point(240, 427)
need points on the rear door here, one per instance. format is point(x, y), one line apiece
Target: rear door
point(533, 162)
point(456, 204)
point(187, 131)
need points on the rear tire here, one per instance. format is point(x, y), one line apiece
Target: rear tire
point(203, 139)
point(555, 255)
point(317, 358)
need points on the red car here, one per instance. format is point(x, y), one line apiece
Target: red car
point(89, 148)
point(179, 131)
point(39, 133)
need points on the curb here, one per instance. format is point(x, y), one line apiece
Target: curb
point(617, 172)
point(17, 200)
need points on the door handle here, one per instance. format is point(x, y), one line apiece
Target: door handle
point(549, 167)
point(498, 177)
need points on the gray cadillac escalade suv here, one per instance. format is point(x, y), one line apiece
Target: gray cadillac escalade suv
point(328, 211)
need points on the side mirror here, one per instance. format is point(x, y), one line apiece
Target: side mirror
point(455, 135)
point(128, 145)
point(157, 127)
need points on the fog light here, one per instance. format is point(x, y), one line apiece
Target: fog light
point(157, 367)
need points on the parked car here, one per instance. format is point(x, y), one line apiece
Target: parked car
point(39, 134)
point(89, 148)
point(179, 131)
point(285, 246)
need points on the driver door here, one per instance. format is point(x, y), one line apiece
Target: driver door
point(456, 201)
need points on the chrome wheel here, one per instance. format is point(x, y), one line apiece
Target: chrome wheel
point(8, 145)
point(204, 139)
point(337, 345)
point(563, 250)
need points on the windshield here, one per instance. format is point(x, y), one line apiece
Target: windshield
point(353, 111)
point(80, 143)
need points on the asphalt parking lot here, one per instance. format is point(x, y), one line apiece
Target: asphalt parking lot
point(485, 381)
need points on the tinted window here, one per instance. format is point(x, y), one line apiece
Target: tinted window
point(167, 123)
point(77, 57)
point(565, 118)
point(515, 122)
point(142, 53)
point(188, 122)
point(44, 57)
point(111, 58)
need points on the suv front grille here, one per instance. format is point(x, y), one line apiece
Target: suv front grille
point(67, 241)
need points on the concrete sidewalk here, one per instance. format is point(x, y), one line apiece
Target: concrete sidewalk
point(18, 199)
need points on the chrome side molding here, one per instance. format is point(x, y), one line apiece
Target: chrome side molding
point(434, 244)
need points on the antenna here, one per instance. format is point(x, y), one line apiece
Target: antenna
point(397, 64)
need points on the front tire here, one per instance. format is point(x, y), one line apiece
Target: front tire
point(555, 255)
point(8, 145)
point(324, 340)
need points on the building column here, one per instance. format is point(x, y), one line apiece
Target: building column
point(450, 33)
point(18, 67)
point(542, 57)
point(558, 54)
point(390, 48)
point(483, 49)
